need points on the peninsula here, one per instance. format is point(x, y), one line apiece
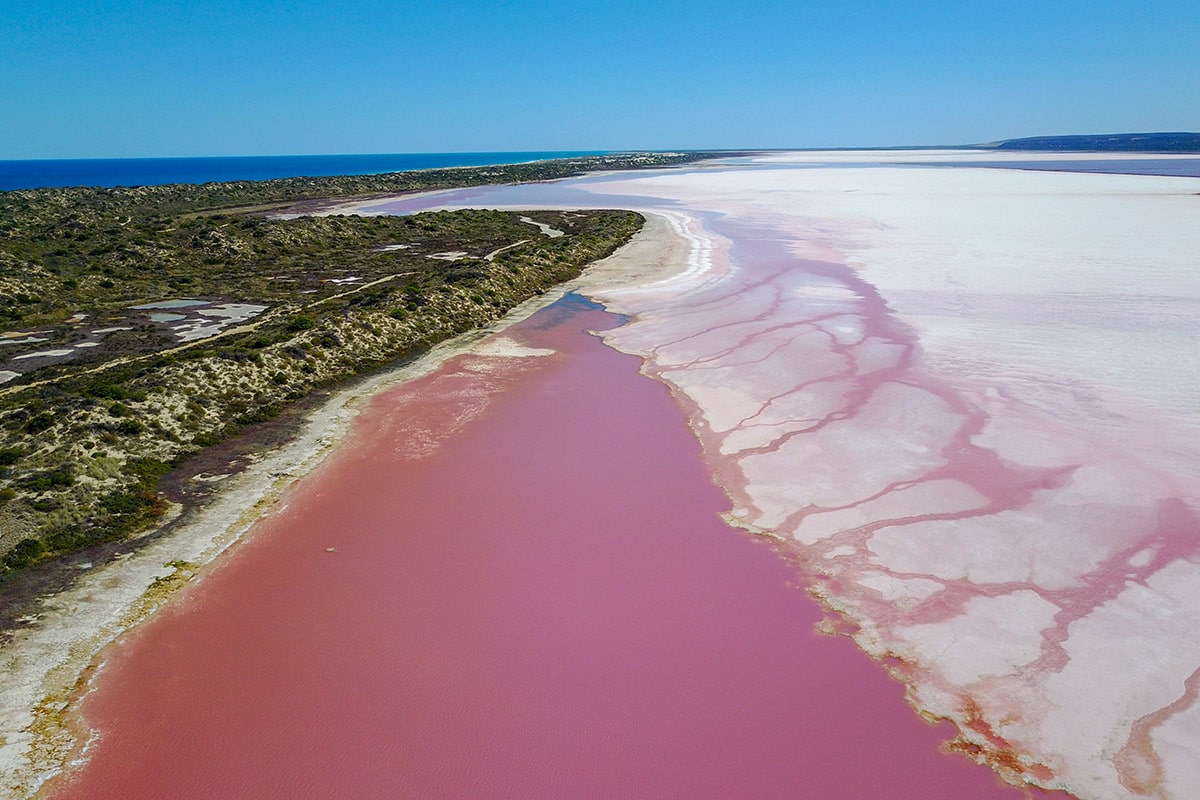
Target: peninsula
point(142, 326)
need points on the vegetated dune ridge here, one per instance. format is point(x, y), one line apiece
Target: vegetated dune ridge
point(964, 398)
point(143, 324)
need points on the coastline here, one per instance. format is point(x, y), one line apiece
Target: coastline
point(48, 662)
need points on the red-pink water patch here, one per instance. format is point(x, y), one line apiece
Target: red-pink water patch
point(511, 582)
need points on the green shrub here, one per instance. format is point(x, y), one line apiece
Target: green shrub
point(26, 552)
point(125, 502)
point(107, 390)
point(206, 439)
point(43, 481)
point(40, 423)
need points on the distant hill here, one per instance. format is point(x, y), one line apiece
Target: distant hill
point(1107, 143)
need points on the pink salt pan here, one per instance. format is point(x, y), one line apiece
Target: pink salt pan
point(510, 582)
point(965, 399)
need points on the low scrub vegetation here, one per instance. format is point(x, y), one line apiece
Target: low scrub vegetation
point(86, 437)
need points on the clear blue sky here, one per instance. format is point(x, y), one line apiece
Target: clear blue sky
point(99, 78)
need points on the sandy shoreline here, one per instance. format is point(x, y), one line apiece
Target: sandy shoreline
point(48, 661)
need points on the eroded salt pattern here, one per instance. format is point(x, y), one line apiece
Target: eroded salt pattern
point(967, 399)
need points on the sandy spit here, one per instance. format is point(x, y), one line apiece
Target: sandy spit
point(48, 662)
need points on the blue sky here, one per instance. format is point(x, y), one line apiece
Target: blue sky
point(89, 78)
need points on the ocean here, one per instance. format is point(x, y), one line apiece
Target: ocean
point(33, 174)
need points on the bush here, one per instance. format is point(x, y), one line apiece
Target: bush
point(40, 423)
point(69, 538)
point(59, 478)
point(26, 552)
point(130, 427)
point(125, 503)
point(148, 470)
point(107, 390)
point(261, 414)
point(206, 439)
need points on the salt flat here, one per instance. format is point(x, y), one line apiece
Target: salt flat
point(967, 398)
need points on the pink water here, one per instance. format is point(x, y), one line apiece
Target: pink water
point(530, 595)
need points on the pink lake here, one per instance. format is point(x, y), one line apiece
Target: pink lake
point(511, 581)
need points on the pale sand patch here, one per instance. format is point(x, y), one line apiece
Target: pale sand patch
point(360, 206)
point(672, 254)
point(44, 354)
point(43, 664)
point(504, 347)
point(552, 232)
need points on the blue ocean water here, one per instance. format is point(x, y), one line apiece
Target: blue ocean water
point(33, 174)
